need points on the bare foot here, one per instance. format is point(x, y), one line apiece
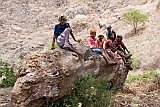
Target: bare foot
point(128, 56)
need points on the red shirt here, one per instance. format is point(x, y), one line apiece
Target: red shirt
point(118, 43)
point(106, 46)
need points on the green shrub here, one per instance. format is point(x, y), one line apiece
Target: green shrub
point(48, 47)
point(148, 74)
point(90, 91)
point(7, 75)
point(135, 63)
point(134, 18)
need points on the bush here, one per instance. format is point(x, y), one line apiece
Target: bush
point(90, 91)
point(135, 63)
point(7, 75)
point(148, 74)
point(134, 18)
point(48, 47)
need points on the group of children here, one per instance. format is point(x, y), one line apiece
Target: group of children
point(110, 47)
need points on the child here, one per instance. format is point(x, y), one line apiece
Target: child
point(110, 45)
point(93, 44)
point(100, 40)
point(120, 45)
point(101, 44)
point(109, 30)
point(61, 35)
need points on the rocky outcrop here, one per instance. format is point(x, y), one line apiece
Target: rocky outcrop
point(50, 75)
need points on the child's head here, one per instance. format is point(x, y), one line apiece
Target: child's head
point(100, 36)
point(62, 19)
point(93, 33)
point(108, 27)
point(111, 36)
point(119, 37)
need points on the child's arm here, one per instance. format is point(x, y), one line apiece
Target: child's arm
point(121, 48)
point(53, 41)
point(74, 37)
point(125, 48)
point(111, 45)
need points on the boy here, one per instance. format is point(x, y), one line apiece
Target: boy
point(93, 44)
point(109, 30)
point(100, 40)
point(120, 45)
point(61, 35)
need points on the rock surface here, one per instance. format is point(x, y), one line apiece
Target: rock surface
point(51, 75)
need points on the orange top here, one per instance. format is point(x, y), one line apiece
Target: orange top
point(100, 44)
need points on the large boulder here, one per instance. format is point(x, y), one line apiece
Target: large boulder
point(51, 75)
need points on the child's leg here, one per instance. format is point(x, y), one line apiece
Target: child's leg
point(111, 54)
point(107, 58)
point(76, 51)
point(63, 38)
point(122, 55)
point(124, 58)
point(67, 33)
point(85, 55)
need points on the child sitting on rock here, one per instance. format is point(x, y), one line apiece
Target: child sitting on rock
point(101, 43)
point(120, 45)
point(109, 45)
point(93, 44)
point(61, 35)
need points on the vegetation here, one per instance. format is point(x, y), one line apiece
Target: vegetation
point(148, 74)
point(88, 91)
point(134, 18)
point(135, 63)
point(48, 47)
point(158, 5)
point(7, 75)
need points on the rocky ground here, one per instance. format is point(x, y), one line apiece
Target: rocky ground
point(26, 28)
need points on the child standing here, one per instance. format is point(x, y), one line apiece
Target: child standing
point(61, 35)
point(93, 44)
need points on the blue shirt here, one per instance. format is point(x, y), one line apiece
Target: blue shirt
point(58, 29)
point(107, 34)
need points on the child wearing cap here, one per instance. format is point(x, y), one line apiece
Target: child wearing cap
point(61, 35)
point(109, 30)
point(120, 45)
point(100, 40)
point(93, 44)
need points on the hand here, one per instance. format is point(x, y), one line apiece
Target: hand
point(78, 40)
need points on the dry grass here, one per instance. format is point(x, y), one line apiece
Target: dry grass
point(138, 94)
point(158, 6)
